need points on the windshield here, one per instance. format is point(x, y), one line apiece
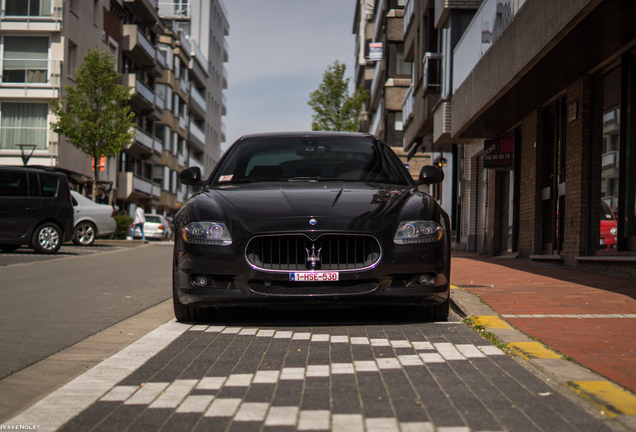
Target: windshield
point(335, 158)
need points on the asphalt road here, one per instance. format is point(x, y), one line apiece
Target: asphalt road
point(52, 302)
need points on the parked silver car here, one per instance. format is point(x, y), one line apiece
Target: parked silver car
point(156, 227)
point(92, 220)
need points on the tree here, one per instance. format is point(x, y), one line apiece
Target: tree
point(95, 115)
point(334, 109)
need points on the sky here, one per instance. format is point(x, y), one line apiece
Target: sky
point(278, 52)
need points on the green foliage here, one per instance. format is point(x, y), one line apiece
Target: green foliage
point(123, 223)
point(95, 115)
point(334, 109)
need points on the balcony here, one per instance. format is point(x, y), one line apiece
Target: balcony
point(21, 15)
point(144, 99)
point(223, 105)
point(226, 51)
point(196, 136)
point(161, 59)
point(30, 78)
point(487, 25)
point(192, 162)
point(131, 187)
point(185, 44)
point(407, 106)
point(146, 10)
point(175, 10)
point(183, 83)
point(432, 74)
point(135, 42)
point(409, 10)
point(183, 122)
point(197, 103)
point(610, 159)
point(223, 134)
point(142, 145)
point(224, 78)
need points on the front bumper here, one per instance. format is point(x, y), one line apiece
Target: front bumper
point(234, 282)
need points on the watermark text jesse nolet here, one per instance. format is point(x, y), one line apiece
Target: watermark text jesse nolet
point(19, 427)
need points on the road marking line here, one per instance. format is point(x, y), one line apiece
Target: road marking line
point(606, 395)
point(528, 350)
point(491, 322)
point(248, 332)
point(282, 416)
point(301, 336)
point(365, 366)
point(379, 342)
point(211, 383)
point(198, 328)
point(388, 363)
point(174, 394)
point(195, 404)
point(418, 345)
point(314, 420)
point(382, 425)
point(432, 358)
point(490, 350)
point(469, 351)
point(448, 351)
point(252, 411)
point(239, 380)
point(223, 408)
point(347, 423)
point(265, 333)
point(146, 394)
point(320, 338)
point(266, 377)
point(341, 368)
point(572, 316)
point(359, 341)
point(317, 371)
point(215, 329)
point(119, 393)
point(410, 360)
point(401, 344)
point(283, 335)
point(231, 330)
point(292, 373)
point(339, 339)
point(417, 427)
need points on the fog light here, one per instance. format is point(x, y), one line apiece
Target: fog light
point(201, 281)
point(426, 279)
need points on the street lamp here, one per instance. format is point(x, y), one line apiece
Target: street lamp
point(26, 150)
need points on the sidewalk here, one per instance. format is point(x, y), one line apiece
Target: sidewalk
point(588, 316)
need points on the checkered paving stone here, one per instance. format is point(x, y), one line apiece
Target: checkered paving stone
point(412, 377)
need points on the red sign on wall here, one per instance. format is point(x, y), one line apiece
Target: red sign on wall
point(499, 153)
point(102, 163)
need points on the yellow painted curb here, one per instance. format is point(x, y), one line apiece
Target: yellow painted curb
point(490, 322)
point(606, 395)
point(528, 350)
point(453, 286)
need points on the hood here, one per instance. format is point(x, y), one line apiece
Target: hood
point(320, 199)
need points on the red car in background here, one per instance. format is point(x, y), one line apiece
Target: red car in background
point(609, 228)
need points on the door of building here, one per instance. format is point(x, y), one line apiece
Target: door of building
point(553, 191)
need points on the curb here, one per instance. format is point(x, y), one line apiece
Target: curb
point(606, 397)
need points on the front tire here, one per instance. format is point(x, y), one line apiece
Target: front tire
point(436, 313)
point(84, 234)
point(47, 238)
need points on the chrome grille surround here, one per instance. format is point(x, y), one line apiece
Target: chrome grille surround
point(288, 252)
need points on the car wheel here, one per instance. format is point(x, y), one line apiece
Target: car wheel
point(7, 248)
point(47, 238)
point(187, 313)
point(84, 234)
point(437, 313)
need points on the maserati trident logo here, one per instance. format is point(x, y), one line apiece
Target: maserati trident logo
point(313, 257)
point(312, 221)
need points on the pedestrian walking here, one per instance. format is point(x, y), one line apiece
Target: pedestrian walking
point(139, 221)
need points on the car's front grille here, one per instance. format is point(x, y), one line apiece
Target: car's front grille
point(297, 252)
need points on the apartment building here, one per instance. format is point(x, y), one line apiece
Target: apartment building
point(178, 91)
point(535, 107)
point(42, 42)
point(382, 69)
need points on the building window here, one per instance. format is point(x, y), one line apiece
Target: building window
point(25, 59)
point(23, 123)
point(403, 67)
point(72, 53)
point(28, 8)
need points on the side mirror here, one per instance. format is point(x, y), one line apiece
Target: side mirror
point(430, 175)
point(190, 176)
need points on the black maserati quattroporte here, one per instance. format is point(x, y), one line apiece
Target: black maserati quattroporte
point(318, 218)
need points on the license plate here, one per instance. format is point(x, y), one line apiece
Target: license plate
point(314, 276)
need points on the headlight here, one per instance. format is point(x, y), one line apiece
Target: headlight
point(613, 231)
point(209, 233)
point(418, 232)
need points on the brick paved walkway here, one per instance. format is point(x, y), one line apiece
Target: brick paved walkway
point(596, 312)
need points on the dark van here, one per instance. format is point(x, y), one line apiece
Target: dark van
point(35, 209)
